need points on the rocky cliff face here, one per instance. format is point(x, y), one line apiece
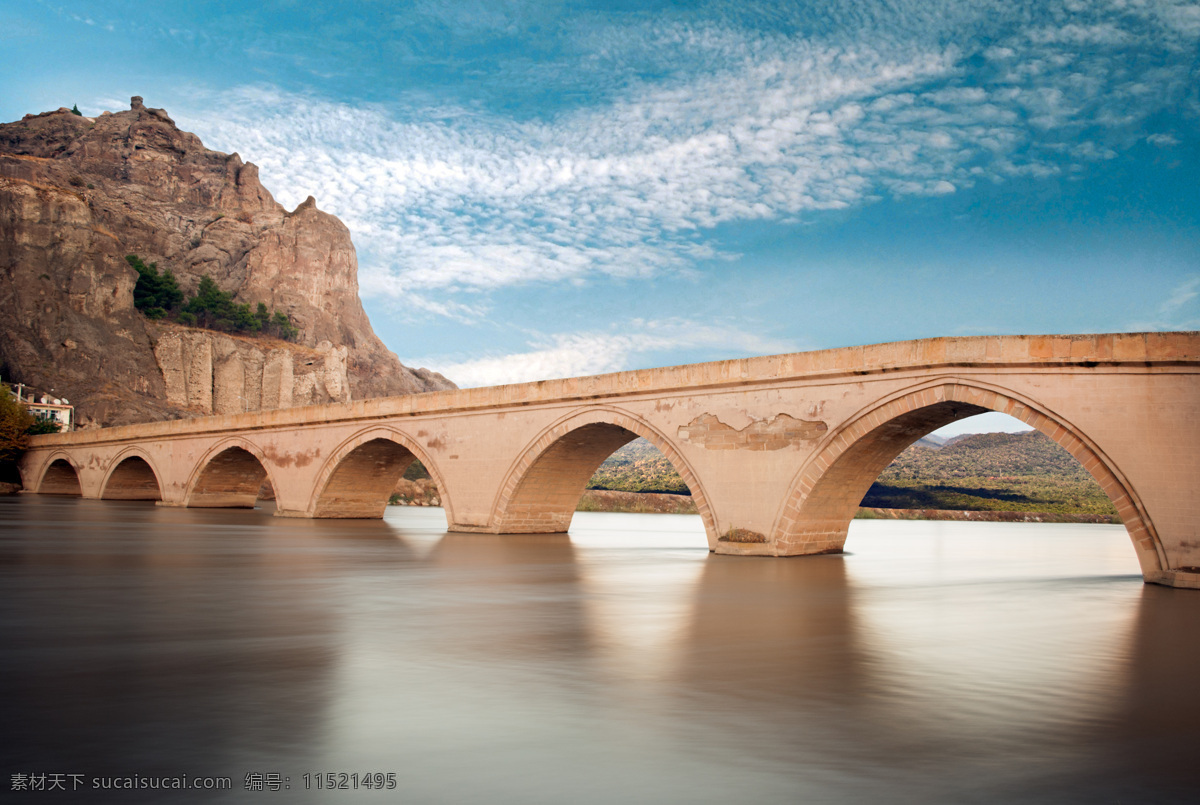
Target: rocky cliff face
point(224, 374)
point(78, 194)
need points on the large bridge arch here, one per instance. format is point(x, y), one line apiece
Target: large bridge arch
point(59, 476)
point(543, 485)
point(360, 475)
point(228, 475)
point(131, 475)
point(826, 492)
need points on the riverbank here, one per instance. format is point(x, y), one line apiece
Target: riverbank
point(603, 500)
point(423, 493)
point(607, 500)
point(874, 513)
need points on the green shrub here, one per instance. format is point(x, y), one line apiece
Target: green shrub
point(41, 426)
point(416, 471)
point(282, 326)
point(154, 294)
point(638, 467)
point(158, 296)
point(215, 309)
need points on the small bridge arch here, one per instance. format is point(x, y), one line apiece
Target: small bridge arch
point(131, 475)
point(516, 458)
point(60, 477)
point(827, 491)
point(229, 475)
point(543, 486)
point(360, 476)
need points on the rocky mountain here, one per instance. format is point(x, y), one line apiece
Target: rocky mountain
point(78, 194)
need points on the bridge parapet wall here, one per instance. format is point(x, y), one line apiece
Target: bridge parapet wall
point(764, 442)
point(1048, 351)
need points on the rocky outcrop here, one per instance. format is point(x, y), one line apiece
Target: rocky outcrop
point(215, 373)
point(78, 194)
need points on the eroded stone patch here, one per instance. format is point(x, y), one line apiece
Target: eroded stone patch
point(776, 433)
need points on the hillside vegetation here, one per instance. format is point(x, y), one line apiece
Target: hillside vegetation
point(990, 472)
point(159, 295)
point(985, 472)
point(1020, 472)
point(638, 467)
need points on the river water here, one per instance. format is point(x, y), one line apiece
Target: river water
point(934, 662)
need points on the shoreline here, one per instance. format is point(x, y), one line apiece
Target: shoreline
point(872, 513)
point(607, 500)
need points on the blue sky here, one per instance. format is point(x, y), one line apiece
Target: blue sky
point(549, 189)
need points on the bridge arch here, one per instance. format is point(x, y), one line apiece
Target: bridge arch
point(60, 477)
point(131, 475)
point(361, 474)
point(229, 475)
point(828, 489)
point(543, 486)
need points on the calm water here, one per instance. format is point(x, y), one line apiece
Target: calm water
point(947, 662)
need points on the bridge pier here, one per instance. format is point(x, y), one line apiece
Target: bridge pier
point(1178, 578)
point(777, 451)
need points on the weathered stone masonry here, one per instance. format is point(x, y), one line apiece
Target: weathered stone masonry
point(778, 451)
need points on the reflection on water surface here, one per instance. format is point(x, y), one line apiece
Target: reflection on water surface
point(950, 662)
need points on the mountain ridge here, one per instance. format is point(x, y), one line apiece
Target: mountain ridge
point(79, 194)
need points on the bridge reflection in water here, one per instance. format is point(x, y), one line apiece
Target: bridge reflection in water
point(931, 662)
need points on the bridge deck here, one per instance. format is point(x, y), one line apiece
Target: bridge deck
point(1010, 351)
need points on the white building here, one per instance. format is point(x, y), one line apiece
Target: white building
point(43, 407)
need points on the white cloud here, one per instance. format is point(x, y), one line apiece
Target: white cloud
point(1180, 296)
point(1163, 140)
point(1177, 311)
point(448, 200)
point(991, 422)
point(567, 356)
point(590, 353)
point(1106, 33)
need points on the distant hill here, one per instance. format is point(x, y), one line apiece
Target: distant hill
point(638, 467)
point(990, 472)
point(1029, 454)
point(973, 472)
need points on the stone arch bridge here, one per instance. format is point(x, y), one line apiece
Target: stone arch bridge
point(778, 451)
